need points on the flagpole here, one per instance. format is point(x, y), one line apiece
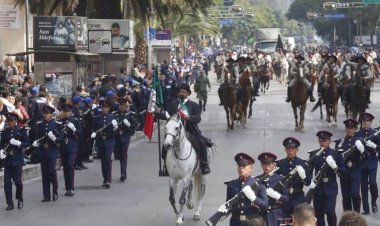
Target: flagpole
point(160, 172)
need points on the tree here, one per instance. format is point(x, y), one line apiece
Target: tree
point(48, 7)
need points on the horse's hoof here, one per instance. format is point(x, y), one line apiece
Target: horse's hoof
point(190, 206)
point(196, 217)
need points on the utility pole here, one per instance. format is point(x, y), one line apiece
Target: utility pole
point(27, 35)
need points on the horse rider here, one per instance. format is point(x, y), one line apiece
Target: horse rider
point(229, 70)
point(255, 79)
point(105, 140)
point(286, 165)
point(329, 67)
point(324, 200)
point(364, 72)
point(350, 180)
point(69, 148)
point(273, 212)
point(13, 140)
point(297, 68)
point(200, 88)
point(48, 151)
point(191, 115)
point(126, 130)
point(344, 77)
point(255, 201)
point(370, 162)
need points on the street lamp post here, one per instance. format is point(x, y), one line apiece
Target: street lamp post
point(27, 35)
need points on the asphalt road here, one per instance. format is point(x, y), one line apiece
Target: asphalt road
point(143, 198)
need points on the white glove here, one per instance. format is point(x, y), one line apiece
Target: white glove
point(301, 172)
point(223, 209)
point(2, 154)
point(359, 145)
point(371, 144)
point(35, 144)
point(114, 124)
point(273, 194)
point(52, 136)
point(247, 190)
point(15, 142)
point(330, 160)
point(126, 122)
point(167, 115)
point(71, 126)
point(93, 135)
point(312, 185)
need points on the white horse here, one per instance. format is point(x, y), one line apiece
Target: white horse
point(181, 162)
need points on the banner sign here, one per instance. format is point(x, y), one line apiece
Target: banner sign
point(9, 17)
point(121, 30)
point(60, 33)
point(100, 41)
point(164, 34)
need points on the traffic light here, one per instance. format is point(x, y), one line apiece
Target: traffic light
point(330, 5)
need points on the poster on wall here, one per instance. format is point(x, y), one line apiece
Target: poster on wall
point(9, 17)
point(60, 33)
point(100, 41)
point(121, 31)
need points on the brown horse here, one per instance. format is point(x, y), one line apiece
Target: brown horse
point(246, 97)
point(298, 99)
point(331, 95)
point(229, 100)
point(357, 98)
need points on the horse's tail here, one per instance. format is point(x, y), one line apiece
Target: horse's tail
point(199, 187)
point(318, 104)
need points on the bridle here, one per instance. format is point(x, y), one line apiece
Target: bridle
point(179, 140)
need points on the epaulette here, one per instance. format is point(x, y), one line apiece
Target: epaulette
point(38, 122)
point(59, 122)
point(227, 182)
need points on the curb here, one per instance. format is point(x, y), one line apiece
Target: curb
point(30, 171)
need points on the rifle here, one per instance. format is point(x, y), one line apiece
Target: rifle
point(310, 194)
point(291, 175)
point(44, 137)
point(231, 204)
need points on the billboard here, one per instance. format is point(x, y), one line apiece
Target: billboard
point(100, 41)
point(121, 30)
point(60, 33)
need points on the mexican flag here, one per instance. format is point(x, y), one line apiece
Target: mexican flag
point(183, 110)
point(155, 100)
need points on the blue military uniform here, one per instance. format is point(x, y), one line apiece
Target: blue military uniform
point(369, 167)
point(69, 149)
point(274, 211)
point(87, 124)
point(77, 112)
point(350, 180)
point(246, 209)
point(123, 137)
point(295, 186)
point(325, 193)
point(14, 161)
point(105, 142)
point(48, 153)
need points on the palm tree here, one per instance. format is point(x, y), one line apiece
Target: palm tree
point(48, 7)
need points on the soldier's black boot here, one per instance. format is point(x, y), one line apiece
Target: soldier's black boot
point(288, 97)
point(310, 94)
point(220, 94)
point(200, 105)
point(204, 106)
point(10, 207)
point(374, 195)
point(205, 169)
point(20, 203)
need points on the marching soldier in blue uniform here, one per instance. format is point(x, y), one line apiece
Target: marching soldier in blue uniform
point(369, 165)
point(105, 140)
point(295, 186)
point(274, 212)
point(125, 131)
point(255, 201)
point(326, 192)
point(13, 139)
point(191, 115)
point(48, 147)
point(350, 180)
point(72, 133)
point(88, 120)
point(77, 112)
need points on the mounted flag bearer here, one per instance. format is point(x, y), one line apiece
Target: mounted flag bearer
point(190, 115)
